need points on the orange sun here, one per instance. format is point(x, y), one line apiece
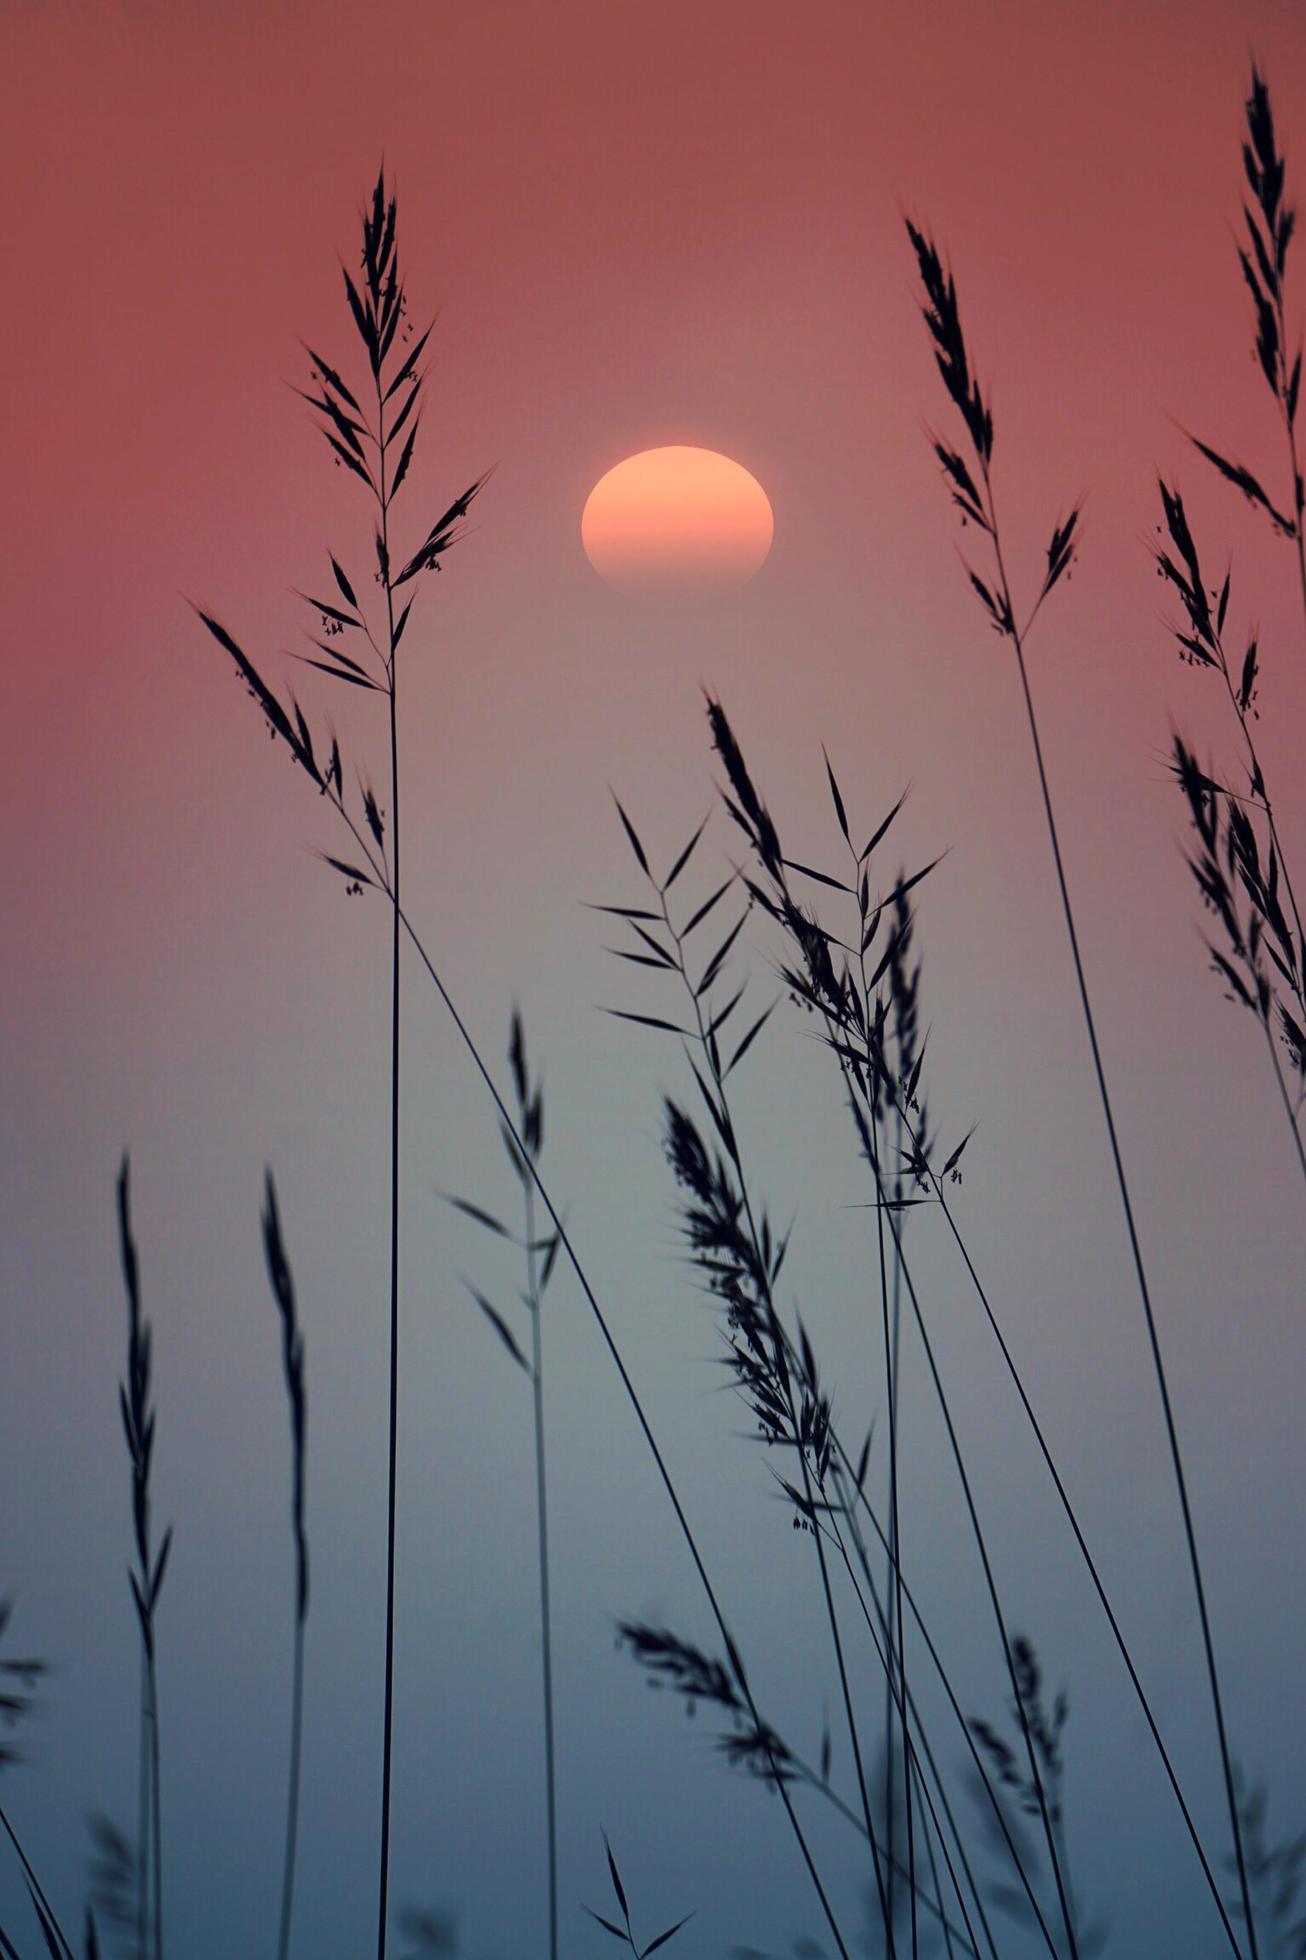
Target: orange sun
point(677, 522)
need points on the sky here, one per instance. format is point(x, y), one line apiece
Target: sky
point(638, 227)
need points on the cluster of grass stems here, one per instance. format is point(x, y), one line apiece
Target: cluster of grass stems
point(951, 1860)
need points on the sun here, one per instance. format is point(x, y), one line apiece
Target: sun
point(677, 523)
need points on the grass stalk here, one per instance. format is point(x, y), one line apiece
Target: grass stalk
point(530, 1126)
point(392, 1464)
point(978, 504)
point(1140, 1272)
point(146, 1578)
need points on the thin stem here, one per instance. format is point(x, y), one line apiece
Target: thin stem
point(822, 1788)
point(157, 1803)
point(977, 1529)
point(846, 1693)
point(143, 1820)
point(292, 1798)
point(392, 1486)
point(911, 1754)
point(1135, 1248)
point(546, 1637)
point(981, 1768)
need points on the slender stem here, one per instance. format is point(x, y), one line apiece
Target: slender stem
point(845, 1691)
point(157, 1806)
point(392, 1485)
point(821, 1788)
point(1122, 1182)
point(910, 1752)
point(143, 1820)
point(896, 1651)
point(981, 1545)
point(934, 1874)
point(542, 1514)
point(632, 1394)
point(292, 1799)
point(981, 1769)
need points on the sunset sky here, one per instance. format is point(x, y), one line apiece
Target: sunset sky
point(640, 227)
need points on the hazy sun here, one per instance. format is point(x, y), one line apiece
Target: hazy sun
point(677, 521)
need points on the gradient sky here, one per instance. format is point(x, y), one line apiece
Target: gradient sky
point(640, 226)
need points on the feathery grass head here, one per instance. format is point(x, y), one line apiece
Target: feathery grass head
point(943, 318)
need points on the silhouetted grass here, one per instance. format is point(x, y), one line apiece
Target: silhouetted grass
point(972, 491)
point(146, 1580)
point(1245, 880)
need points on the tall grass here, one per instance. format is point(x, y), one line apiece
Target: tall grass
point(376, 445)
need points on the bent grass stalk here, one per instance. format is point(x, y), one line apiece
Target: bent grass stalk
point(976, 502)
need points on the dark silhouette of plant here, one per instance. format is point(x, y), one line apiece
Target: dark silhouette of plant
point(623, 1932)
point(376, 445)
point(971, 488)
point(146, 1578)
